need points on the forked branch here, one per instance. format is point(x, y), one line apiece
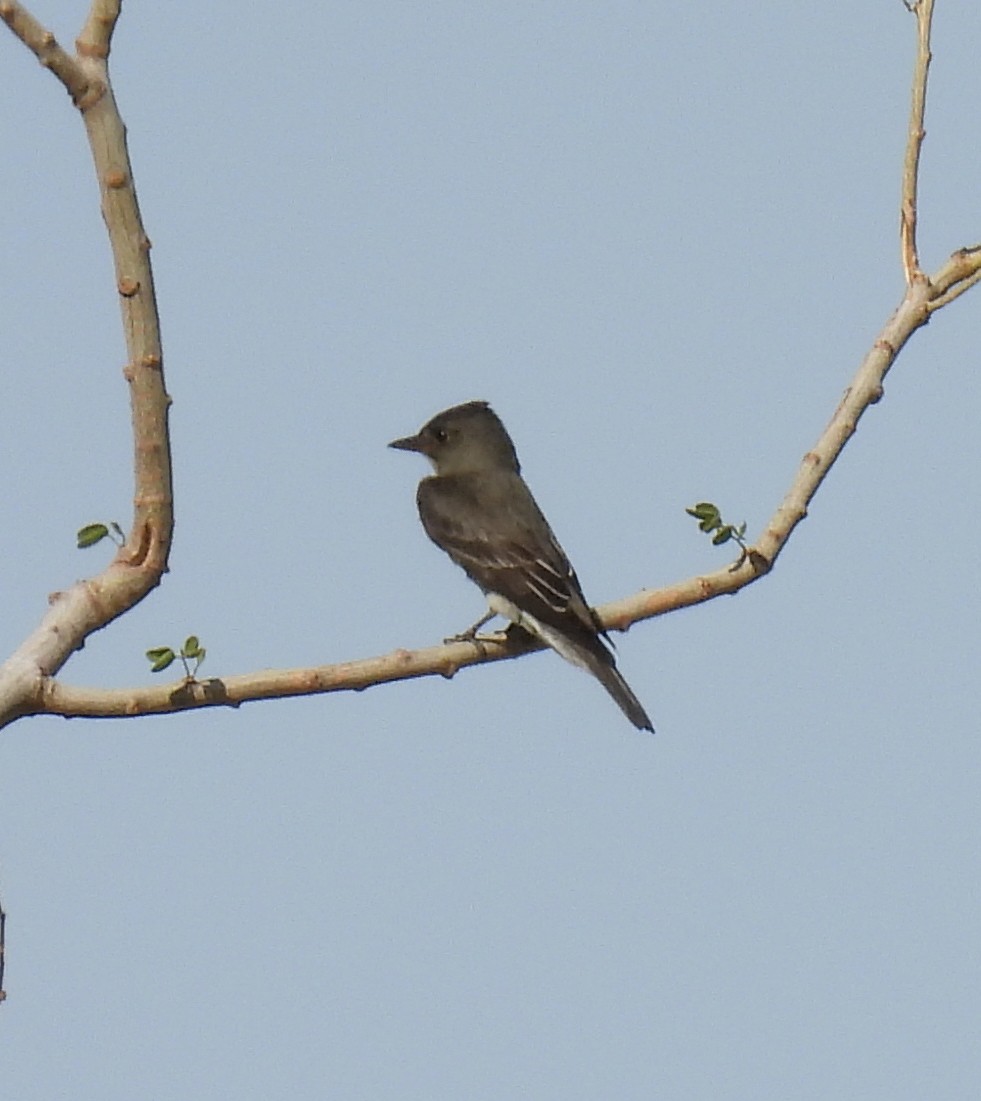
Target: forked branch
point(75, 614)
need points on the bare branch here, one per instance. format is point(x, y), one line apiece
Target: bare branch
point(3, 947)
point(57, 698)
point(958, 275)
point(141, 561)
point(914, 142)
point(96, 36)
point(42, 43)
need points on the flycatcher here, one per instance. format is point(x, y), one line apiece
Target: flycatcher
point(477, 508)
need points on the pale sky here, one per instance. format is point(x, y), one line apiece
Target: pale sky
point(659, 238)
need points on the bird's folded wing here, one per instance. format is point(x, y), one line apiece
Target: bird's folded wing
point(503, 542)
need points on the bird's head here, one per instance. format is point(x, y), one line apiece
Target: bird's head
point(466, 439)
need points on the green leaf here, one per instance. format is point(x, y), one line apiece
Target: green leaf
point(160, 657)
point(723, 535)
point(90, 535)
point(705, 510)
point(191, 647)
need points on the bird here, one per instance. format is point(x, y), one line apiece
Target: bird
point(477, 508)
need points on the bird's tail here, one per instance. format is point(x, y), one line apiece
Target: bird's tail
point(589, 653)
point(609, 676)
point(596, 659)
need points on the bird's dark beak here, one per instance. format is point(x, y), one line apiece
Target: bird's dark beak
point(410, 443)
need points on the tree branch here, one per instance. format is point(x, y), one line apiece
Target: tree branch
point(42, 43)
point(3, 948)
point(137, 568)
point(96, 36)
point(923, 10)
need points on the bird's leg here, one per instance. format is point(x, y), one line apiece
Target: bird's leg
point(470, 634)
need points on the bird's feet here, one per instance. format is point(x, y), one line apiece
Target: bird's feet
point(470, 634)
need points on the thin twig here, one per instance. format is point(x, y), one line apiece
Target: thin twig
point(43, 44)
point(960, 274)
point(3, 948)
point(96, 36)
point(914, 142)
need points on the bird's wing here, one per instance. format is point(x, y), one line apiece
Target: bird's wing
point(493, 528)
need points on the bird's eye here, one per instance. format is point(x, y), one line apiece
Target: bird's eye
point(440, 435)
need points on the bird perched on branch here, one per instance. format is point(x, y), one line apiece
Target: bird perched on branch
point(477, 508)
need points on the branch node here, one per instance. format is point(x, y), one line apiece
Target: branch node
point(759, 561)
point(705, 588)
point(86, 48)
point(89, 95)
point(135, 551)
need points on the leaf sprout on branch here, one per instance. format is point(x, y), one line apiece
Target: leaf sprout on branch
point(95, 533)
point(162, 657)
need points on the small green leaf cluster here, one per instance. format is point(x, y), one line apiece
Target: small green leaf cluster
point(710, 521)
point(95, 533)
point(162, 657)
